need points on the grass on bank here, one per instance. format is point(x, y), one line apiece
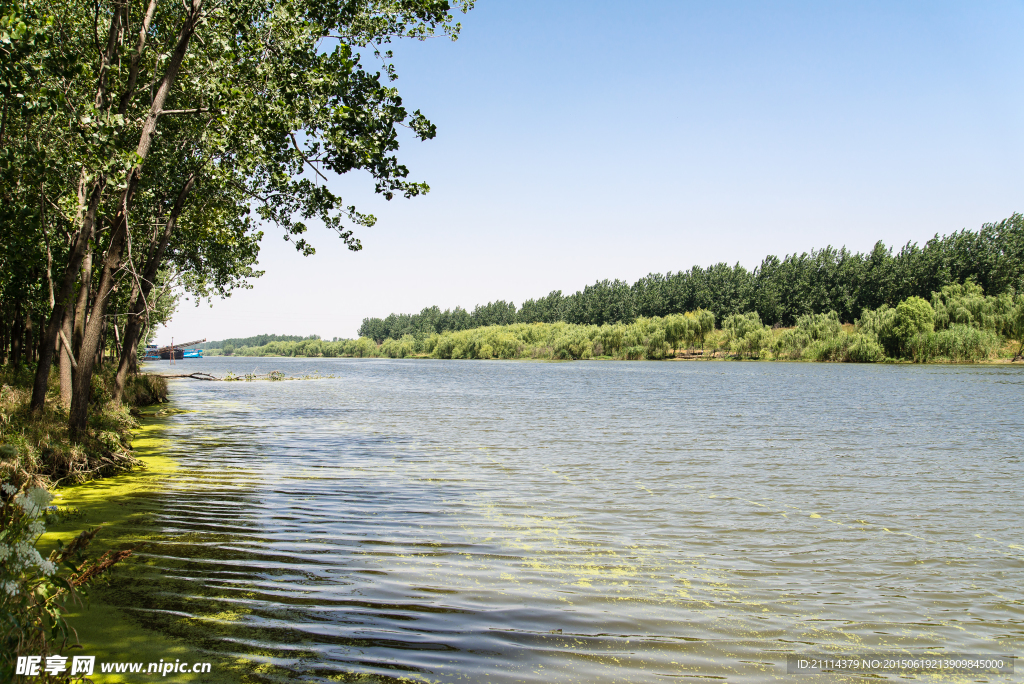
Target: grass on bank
point(38, 591)
point(37, 451)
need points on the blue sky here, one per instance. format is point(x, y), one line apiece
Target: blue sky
point(582, 140)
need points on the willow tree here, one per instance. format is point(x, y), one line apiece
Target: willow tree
point(1015, 325)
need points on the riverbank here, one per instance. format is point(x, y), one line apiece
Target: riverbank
point(96, 484)
point(1004, 358)
point(718, 348)
point(122, 506)
point(37, 450)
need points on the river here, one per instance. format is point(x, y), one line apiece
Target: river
point(453, 521)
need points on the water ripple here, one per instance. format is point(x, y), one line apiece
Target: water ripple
point(586, 522)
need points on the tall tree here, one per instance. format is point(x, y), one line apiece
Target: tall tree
point(167, 128)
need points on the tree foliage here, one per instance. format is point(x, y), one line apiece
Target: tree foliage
point(147, 145)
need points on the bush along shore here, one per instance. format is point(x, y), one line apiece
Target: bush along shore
point(38, 454)
point(958, 325)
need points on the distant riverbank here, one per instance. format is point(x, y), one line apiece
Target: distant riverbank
point(1005, 358)
point(959, 325)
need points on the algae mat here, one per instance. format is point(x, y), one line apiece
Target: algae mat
point(123, 506)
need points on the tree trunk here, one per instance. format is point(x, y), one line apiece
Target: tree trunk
point(5, 344)
point(63, 299)
point(89, 351)
point(81, 314)
point(133, 360)
point(30, 347)
point(79, 413)
point(16, 335)
point(101, 352)
point(65, 360)
point(42, 338)
point(139, 306)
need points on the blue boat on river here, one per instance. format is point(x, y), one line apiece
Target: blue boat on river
point(155, 353)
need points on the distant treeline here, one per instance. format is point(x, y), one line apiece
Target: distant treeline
point(256, 341)
point(778, 290)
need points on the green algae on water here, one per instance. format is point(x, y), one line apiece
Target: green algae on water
point(123, 505)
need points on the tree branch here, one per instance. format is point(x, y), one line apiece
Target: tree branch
point(197, 110)
point(304, 158)
point(136, 59)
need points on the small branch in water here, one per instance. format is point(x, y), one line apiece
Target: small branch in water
point(272, 375)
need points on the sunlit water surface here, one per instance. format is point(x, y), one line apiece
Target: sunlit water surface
point(586, 522)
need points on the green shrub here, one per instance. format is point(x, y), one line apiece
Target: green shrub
point(913, 316)
point(822, 326)
point(635, 353)
point(790, 344)
point(745, 334)
point(364, 347)
point(35, 593)
point(825, 350)
point(657, 346)
point(444, 345)
point(966, 305)
point(846, 348)
point(571, 344)
point(864, 349)
point(144, 389)
point(881, 324)
point(962, 326)
point(609, 337)
point(100, 394)
point(676, 329)
point(754, 342)
point(1015, 324)
point(883, 332)
point(309, 348)
point(398, 349)
point(702, 325)
point(506, 345)
point(738, 325)
point(895, 328)
point(958, 343)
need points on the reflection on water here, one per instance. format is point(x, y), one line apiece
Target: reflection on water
point(490, 521)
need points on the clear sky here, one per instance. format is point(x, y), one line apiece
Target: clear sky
point(586, 139)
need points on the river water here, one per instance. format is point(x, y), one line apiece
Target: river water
point(453, 521)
